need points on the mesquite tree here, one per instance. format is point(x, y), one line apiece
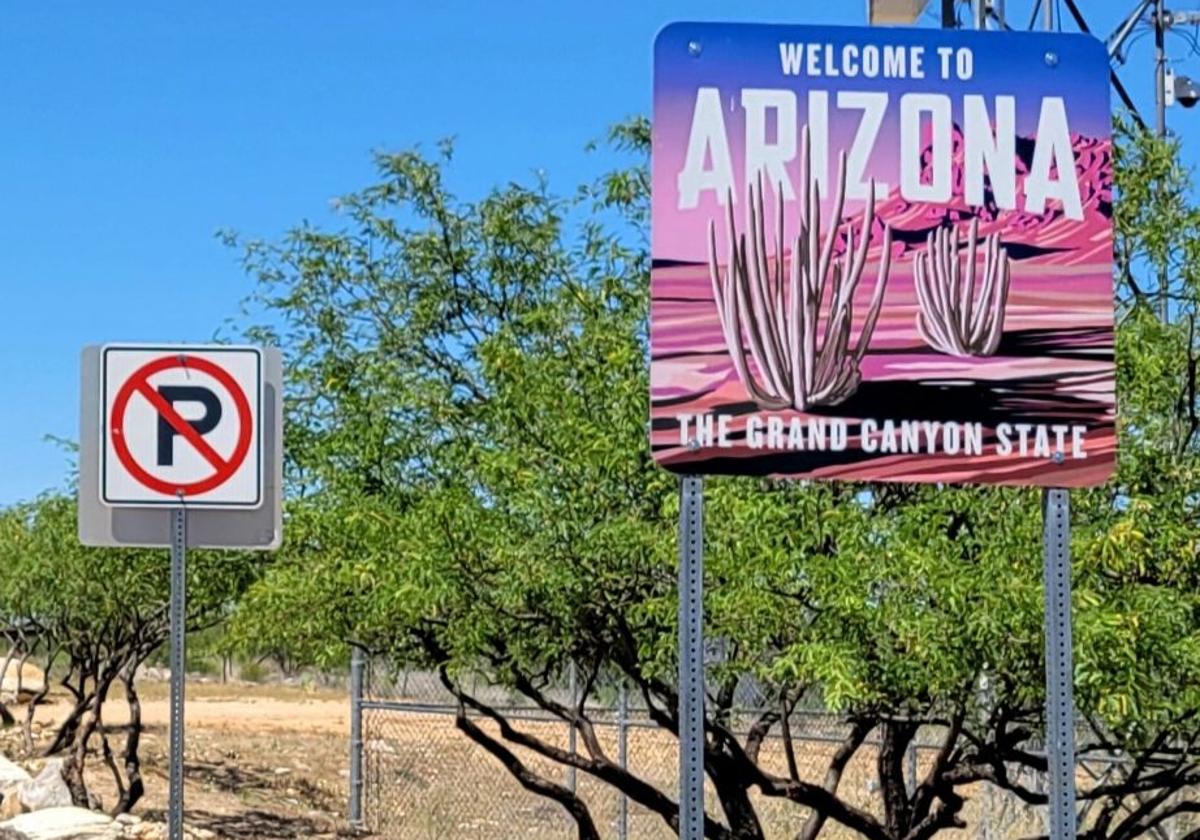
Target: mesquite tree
point(473, 494)
point(92, 617)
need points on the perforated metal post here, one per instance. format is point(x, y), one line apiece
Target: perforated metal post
point(178, 619)
point(691, 658)
point(356, 736)
point(1060, 703)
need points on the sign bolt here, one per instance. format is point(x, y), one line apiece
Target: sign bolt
point(694, 48)
point(1058, 458)
point(1051, 59)
point(693, 444)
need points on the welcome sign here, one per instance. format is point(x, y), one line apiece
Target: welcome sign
point(882, 254)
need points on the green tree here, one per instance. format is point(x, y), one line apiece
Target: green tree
point(100, 613)
point(474, 495)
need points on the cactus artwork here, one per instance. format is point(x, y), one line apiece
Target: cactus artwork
point(798, 323)
point(959, 316)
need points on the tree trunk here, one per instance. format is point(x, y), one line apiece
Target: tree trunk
point(532, 781)
point(896, 736)
point(859, 729)
point(74, 766)
point(31, 709)
point(76, 761)
point(67, 730)
point(133, 762)
point(110, 760)
point(6, 718)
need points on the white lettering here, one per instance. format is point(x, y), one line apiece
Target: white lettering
point(770, 158)
point(754, 436)
point(1077, 433)
point(865, 431)
point(684, 421)
point(912, 107)
point(1052, 150)
point(774, 433)
point(873, 107)
point(983, 150)
point(1003, 441)
point(790, 57)
point(707, 141)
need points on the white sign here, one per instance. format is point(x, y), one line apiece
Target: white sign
point(181, 425)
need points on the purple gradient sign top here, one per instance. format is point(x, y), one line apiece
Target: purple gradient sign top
point(882, 254)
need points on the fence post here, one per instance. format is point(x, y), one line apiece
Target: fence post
point(623, 758)
point(356, 740)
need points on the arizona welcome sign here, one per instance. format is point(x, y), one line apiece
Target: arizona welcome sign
point(882, 255)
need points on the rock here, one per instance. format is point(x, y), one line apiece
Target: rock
point(10, 805)
point(158, 831)
point(61, 824)
point(11, 774)
point(48, 790)
point(145, 831)
point(10, 834)
point(32, 679)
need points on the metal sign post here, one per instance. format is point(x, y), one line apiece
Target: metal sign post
point(1060, 669)
point(691, 658)
point(153, 474)
point(178, 618)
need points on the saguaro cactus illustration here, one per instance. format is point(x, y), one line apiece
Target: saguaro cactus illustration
point(798, 327)
point(958, 316)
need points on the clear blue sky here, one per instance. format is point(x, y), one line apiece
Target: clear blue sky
point(133, 132)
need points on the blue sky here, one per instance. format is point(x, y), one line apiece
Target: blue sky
point(130, 138)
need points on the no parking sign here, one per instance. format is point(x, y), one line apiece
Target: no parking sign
point(181, 425)
point(180, 446)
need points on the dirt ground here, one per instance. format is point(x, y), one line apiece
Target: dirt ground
point(264, 762)
point(267, 762)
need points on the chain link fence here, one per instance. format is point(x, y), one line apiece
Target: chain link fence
point(422, 779)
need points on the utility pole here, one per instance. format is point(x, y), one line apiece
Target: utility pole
point(1160, 71)
point(1160, 127)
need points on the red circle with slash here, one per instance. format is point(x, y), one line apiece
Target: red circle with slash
point(223, 468)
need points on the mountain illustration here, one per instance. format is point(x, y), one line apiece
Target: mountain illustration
point(1050, 237)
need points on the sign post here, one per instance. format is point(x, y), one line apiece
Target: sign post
point(178, 610)
point(691, 657)
point(881, 255)
point(180, 447)
point(1060, 670)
